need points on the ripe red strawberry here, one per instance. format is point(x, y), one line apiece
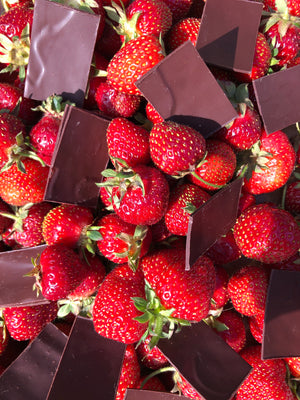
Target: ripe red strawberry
point(267, 234)
point(294, 366)
point(114, 310)
point(220, 295)
point(218, 167)
point(130, 373)
point(274, 159)
point(128, 141)
point(152, 114)
point(246, 200)
point(18, 188)
point(175, 148)
point(67, 224)
point(224, 250)
point(110, 42)
point(184, 200)
point(235, 335)
point(151, 358)
point(132, 61)
point(4, 221)
point(247, 289)
point(179, 8)
point(4, 338)
point(25, 323)
point(256, 324)
point(59, 272)
point(154, 383)
point(185, 29)
point(186, 389)
point(114, 103)
point(292, 198)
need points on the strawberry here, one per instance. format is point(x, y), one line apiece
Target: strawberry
point(292, 198)
point(247, 289)
point(130, 373)
point(224, 250)
point(218, 167)
point(151, 358)
point(267, 234)
point(246, 200)
point(185, 29)
point(186, 389)
point(128, 141)
point(184, 200)
point(273, 159)
point(220, 295)
point(176, 148)
point(18, 188)
point(152, 114)
point(5, 222)
point(179, 8)
point(154, 383)
point(114, 312)
point(110, 42)
point(256, 324)
point(59, 271)
point(132, 61)
point(294, 366)
point(24, 323)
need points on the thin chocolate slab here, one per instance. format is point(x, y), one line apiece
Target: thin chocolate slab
point(212, 220)
point(79, 157)
point(278, 98)
point(282, 316)
point(138, 394)
point(228, 32)
point(182, 89)
point(90, 365)
point(206, 361)
point(15, 288)
point(62, 46)
point(31, 374)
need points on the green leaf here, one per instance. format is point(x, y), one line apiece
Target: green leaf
point(140, 303)
point(281, 6)
point(109, 173)
point(143, 318)
point(94, 235)
point(64, 310)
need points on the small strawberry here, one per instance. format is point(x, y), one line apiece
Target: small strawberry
point(10, 127)
point(292, 198)
point(294, 366)
point(130, 373)
point(220, 295)
point(99, 63)
point(152, 114)
point(185, 29)
point(179, 8)
point(256, 325)
point(24, 323)
point(246, 200)
point(153, 383)
point(224, 250)
point(109, 43)
point(267, 234)
point(151, 358)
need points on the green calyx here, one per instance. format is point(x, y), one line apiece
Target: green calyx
point(82, 5)
point(213, 322)
point(81, 307)
point(237, 95)
point(53, 105)
point(20, 213)
point(160, 322)
point(281, 17)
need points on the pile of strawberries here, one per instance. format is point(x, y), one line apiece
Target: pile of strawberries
point(123, 265)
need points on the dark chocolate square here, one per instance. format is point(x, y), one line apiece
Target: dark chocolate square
point(79, 157)
point(282, 316)
point(61, 51)
point(182, 89)
point(206, 361)
point(31, 374)
point(228, 32)
point(212, 220)
point(15, 288)
point(278, 98)
point(90, 365)
point(138, 394)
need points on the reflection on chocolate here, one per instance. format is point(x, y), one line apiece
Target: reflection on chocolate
point(61, 50)
point(182, 89)
point(282, 316)
point(79, 157)
point(206, 361)
point(90, 365)
point(227, 34)
point(31, 374)
point(15, 288)
point(138, 394)
point(212, 220)
point(279, 91)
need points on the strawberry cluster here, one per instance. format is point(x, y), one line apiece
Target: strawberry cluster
point(123, 264)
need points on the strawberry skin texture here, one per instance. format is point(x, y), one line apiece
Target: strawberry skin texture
point(235, 336)
point(25, 323)
point(189, 292)
point(132, 61)
point(224, 250)
point(220, 295)
point(261, 60)
point(14, 21)
point(153, 359)
point(292, 198)
point(186, 29)
point(294, 366)
point(175, 147)
point(267, 234)
point(18, 189)
point(10, 126)
point(130, 372)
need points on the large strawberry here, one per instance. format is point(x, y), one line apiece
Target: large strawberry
point(266, 233)
point(183, 30)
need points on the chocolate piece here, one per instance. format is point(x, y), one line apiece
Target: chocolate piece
point(79, 157)
point(61, 50)
point(282, 316)
point(15, 288)
point(278, 98)
point(138, 394)
point(31, 374)
point(212, 220)
point(90, 365)
point(206, 361)
point(182, 89)
point(228, 32)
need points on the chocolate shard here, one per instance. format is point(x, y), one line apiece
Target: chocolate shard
point(212, 220)
point(278, 91)
point(90, 365)
point(282, 316)
point(206, 361)
point(79, 157)
point(138, 394)
point(228, 32)
point(182, 89)
point(31, 374)
point(61, 51)
point(15, 288)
